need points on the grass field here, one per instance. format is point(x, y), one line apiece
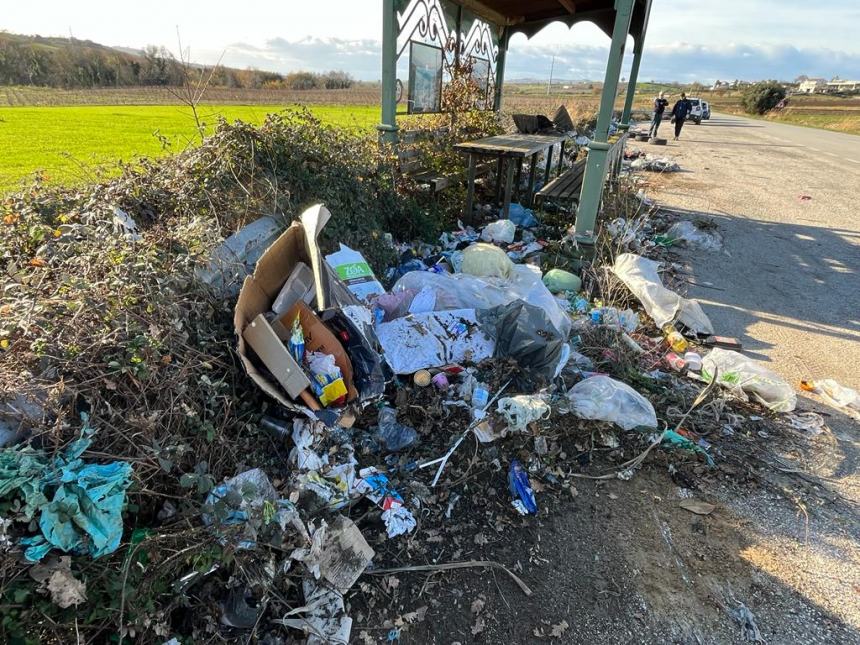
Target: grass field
point(76, 143)
point(78, 135)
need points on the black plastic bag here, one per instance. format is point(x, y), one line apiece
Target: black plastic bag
point(525, 333)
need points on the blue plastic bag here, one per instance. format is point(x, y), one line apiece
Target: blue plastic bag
point(522, 216)
point(84, 513)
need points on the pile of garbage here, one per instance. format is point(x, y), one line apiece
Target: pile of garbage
point(386, 387)
point(652, 163)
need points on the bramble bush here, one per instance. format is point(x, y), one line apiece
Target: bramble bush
point(761, 98)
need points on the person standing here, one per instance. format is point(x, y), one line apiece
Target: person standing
point(660, 105)
point(680, 112)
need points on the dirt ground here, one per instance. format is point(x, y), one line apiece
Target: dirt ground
point(621, 561)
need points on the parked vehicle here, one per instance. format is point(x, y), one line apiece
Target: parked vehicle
point(696, 113)
point(706, 110)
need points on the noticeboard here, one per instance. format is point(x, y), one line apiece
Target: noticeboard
point(481, 78)
point(425, 78)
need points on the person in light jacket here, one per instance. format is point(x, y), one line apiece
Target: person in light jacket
point(660, 105)
point(680, 111)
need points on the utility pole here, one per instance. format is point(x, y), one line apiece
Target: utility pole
point(551, 69)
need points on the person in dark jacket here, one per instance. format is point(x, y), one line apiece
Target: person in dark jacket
point(680, 112)
point(660, 105)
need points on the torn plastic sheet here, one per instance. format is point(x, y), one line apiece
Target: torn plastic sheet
point(249, 494)
point(419, 341)
point(344, 554)
point(694, 236)
point(663, 305)
point(84, 512)
point(463, 291)
point(55, 576)
point(376, 487)
point(323, 617)
point(521, 410)
point(304, 437)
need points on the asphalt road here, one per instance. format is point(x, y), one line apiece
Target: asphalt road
point(833, 144)
point(786, 201)
point(787, 284)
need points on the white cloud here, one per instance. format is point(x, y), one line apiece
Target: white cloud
point(681, 61)
point(686, 39)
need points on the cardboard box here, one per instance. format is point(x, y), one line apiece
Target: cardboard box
point(260, 290)
point(318, 338)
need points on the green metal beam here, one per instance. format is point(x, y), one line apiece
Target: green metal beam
point(638, 47)
point(631, 85)
point(595, 167)
point(388, 127)
point(500, 68)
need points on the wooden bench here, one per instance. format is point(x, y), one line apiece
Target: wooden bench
point(409, 158)
point(567, 186)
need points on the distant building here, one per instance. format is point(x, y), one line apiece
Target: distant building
point(812, 86)
point(721, 85)
point(838, 85)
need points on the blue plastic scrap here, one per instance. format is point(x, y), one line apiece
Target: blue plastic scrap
point(79, 505)
point(675, 439)
point(521, 489)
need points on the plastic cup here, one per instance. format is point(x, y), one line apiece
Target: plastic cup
point(440, 380)
point(694, 361)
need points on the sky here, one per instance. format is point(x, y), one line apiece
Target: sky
point(687, 40)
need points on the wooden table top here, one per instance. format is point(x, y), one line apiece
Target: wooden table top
point(512, 145)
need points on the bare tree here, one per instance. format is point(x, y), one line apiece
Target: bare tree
point(193, 89)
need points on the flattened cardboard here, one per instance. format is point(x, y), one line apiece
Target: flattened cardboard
point(345, 554)
point(275, 355)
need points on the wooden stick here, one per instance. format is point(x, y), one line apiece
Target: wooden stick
point(456, 565)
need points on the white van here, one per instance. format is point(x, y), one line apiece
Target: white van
point(697, 113)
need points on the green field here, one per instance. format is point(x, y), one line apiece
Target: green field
point(72, 144)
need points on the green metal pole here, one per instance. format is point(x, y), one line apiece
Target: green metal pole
point(631, 85)
point(388, 127)
point(500, 69)
point(595, 166)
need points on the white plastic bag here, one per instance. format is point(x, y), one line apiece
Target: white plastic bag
point(739, 373)
point(519, 411)
point(463, 291)
point(605, 399)
point(663, 305)
point(695, 237)
point(502, 230)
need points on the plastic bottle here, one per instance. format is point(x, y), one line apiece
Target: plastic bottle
point(480, 396)
point(392, 434)
point(676, 341)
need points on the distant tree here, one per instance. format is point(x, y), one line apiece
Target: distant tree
point(337, 80)
point(301, 81)
point(760, 98)
point(159, 67)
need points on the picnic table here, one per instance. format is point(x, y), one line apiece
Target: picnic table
point(510, 150)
